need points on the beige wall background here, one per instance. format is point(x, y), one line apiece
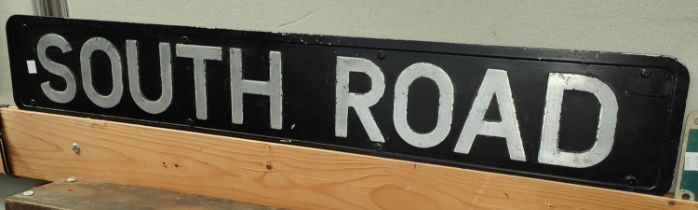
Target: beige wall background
point(7, 9)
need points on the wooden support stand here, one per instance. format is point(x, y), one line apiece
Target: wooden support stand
point(79, 194)
point(280, 175)
point(2, 167)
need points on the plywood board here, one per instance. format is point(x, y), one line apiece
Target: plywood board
point(280, 175)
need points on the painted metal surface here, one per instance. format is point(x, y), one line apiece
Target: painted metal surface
point(615, 118)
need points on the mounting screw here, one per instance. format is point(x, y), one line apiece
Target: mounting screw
point(31, 102)
point(75, 147)
point(378, 146)
point(184, 39)
point(630, 180)
point(686, 196)
point(189, 121)
point(645, 73)
point(28, 193)
point(381, 54)
point(71, 179)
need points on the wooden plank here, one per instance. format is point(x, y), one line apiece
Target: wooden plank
point(2, 162)
point(90, 194)
point(280, 175)
point(2, 166)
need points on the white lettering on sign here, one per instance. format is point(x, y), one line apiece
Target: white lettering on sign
point(88, 48)
point(31, 66)
point(58, 96)
point(549, 152)
point(272, 88)
point(690, 162)
point(494, 85)
point(445, 107)
point(361, 102)
point(151, 106)
point(199, 55)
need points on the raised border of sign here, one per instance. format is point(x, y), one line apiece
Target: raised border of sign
point(537, 54)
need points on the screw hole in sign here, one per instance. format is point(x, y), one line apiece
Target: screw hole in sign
point(686, 196)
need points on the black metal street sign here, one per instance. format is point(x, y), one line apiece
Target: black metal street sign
point(604, 119)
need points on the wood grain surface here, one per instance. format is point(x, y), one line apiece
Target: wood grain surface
point(2, 167)
point(280, 175)
point(85, 194)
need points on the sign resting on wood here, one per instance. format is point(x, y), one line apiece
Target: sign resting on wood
point(597, 118)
